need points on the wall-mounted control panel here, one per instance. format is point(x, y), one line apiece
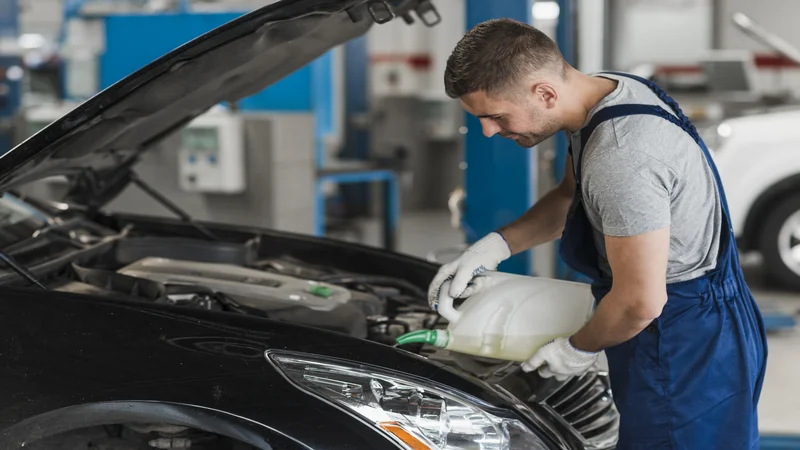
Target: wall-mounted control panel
point(211, 155)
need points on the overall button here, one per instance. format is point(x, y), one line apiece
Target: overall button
point(651, 329)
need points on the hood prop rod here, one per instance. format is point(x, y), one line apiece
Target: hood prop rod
point(20, 269)
point(167, 203)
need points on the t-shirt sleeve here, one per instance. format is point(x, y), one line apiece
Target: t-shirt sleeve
point(628, 191)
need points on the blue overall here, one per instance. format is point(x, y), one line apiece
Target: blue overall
point(692, 379)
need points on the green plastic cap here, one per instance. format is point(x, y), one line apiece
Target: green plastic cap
point(320, 291)
point(439, 338)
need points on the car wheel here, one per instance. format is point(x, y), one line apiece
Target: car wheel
point(780, 243)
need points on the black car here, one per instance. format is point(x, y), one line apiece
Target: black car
point(125, 332)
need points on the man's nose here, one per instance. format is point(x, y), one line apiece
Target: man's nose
point(490, 128)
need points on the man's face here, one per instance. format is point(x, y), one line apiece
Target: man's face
point(525, 119)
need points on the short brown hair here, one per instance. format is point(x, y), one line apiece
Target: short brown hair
point(496, 54)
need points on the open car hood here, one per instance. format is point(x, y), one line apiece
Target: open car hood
point(97, 143)
point(766, 37)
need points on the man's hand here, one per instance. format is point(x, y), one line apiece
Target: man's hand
point(560, 359)
point(486, 254)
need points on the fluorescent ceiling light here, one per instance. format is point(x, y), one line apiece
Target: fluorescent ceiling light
point(545, 10)
point(14, 73)
point(31, 41)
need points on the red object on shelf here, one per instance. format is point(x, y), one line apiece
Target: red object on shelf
point(761, 60)
point(772, 61)
point(417, 61)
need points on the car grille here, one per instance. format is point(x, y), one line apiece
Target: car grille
point(586, 404)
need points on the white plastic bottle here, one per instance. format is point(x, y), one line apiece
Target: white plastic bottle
point(510, 318)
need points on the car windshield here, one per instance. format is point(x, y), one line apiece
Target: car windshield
point(18, 220)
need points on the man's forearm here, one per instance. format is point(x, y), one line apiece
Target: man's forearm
point(616, 320)
point(542, 223)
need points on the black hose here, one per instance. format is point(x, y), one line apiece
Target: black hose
point(377, 280)
point(389, 322)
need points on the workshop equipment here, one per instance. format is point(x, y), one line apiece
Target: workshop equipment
point(226, 164)
point(510, 317)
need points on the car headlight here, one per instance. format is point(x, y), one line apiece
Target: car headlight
point(716, 136)
point(413, 413)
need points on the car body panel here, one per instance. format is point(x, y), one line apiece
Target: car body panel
point(68, 350)
point(63, 349)
point(49, 427)
point(761, 151)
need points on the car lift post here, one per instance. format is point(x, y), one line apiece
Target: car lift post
point(500, 177)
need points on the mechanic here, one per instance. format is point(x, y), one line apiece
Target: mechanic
point(641, 199)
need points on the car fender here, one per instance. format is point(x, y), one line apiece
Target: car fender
point(752, 163)
point(757, 212)
point(104, 413)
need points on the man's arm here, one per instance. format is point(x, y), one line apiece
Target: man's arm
point(638, 292)
point(544, 221)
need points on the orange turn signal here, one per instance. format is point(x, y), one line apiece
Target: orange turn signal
point(407, 438)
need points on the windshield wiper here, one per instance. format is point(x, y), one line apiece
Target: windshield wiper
point(167, 203)
point(20, 269)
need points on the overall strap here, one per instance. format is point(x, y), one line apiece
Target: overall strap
point(613, 112)
point(684, 123)
point(687, 126)
point(660, 93)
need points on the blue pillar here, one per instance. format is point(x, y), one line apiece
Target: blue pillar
point(566, 43)
point(10, 80)
point(500, 175)
point(565, 38)
point(9, 18)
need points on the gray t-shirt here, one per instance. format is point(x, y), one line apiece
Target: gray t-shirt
point(641, 173)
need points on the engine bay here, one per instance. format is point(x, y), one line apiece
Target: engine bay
point(338, 288)
point(230, 277)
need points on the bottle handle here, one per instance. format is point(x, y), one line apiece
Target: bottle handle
point(446, 308)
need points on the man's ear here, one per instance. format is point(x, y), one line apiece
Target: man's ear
point(545, 93)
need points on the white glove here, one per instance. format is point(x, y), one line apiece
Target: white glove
point(560, 359)
point(483, 255)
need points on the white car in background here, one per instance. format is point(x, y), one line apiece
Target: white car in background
point(758, 158)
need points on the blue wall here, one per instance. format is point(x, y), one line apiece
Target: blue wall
point(129, 47)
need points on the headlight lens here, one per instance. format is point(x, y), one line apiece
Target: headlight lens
point(414, 413)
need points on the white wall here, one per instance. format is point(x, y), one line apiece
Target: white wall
point(778, 17)
point(444, 38)
point(400, 39)
point(40, 16)
point(591, 35)
point(660, 31)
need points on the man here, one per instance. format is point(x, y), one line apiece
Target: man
point(641, 200)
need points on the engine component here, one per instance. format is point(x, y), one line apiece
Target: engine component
point(134, 249)
point(250, 291)
point(167, 443)
point(248, 287)
point(163, 428)
point(377, 308)
point(287, 265)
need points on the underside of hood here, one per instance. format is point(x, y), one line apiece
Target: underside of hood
point(97, 143)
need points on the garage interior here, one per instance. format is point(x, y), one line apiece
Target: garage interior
point(362, 145)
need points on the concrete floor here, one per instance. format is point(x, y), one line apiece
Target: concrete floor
point(779, 408)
